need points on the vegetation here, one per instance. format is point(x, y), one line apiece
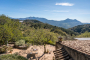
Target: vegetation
point(20, 43)
point(12, 57)
point(81, 28)
point(3, 49)
point(86, 34)
point(32, 31)
point(39, 36)
point(28, 32)
point(37, 24)
point(9, 30)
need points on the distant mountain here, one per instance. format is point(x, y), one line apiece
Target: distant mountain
point(68, 23)
point(81, 28)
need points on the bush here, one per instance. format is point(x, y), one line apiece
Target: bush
point(3, 49)
point(12, 57)
point(20, 43)
point(28, 44)
point(50, 42)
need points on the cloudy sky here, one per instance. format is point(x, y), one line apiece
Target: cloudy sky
point(50, 9)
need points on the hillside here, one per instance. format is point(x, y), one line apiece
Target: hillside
point(81, 28)
point(37, 24)
point(85, 35)
point(32, 31)
point(12, 30)
point(67, 23)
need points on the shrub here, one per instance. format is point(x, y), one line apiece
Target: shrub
point(28, 44)
point(20, 43)
point(50, 42)
point(16, 53)
point(3, 49)
point(12, 57)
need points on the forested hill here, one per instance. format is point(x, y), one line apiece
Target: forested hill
point(67, 23)
point(81, 28)
point(37, 24)
point(31, 31)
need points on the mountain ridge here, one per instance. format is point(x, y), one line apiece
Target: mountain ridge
point(67, 23)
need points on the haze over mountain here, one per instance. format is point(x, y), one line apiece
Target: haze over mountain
point(68, 23)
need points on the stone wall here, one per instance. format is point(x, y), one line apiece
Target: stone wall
point(76, 55)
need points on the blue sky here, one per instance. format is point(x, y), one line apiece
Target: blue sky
point(50, 9)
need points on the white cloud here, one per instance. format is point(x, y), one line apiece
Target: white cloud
point(65, 4)
point(59, 11)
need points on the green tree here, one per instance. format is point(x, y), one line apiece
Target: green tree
point(8, 29)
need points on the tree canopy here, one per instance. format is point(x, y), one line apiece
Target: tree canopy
point(9, 30)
